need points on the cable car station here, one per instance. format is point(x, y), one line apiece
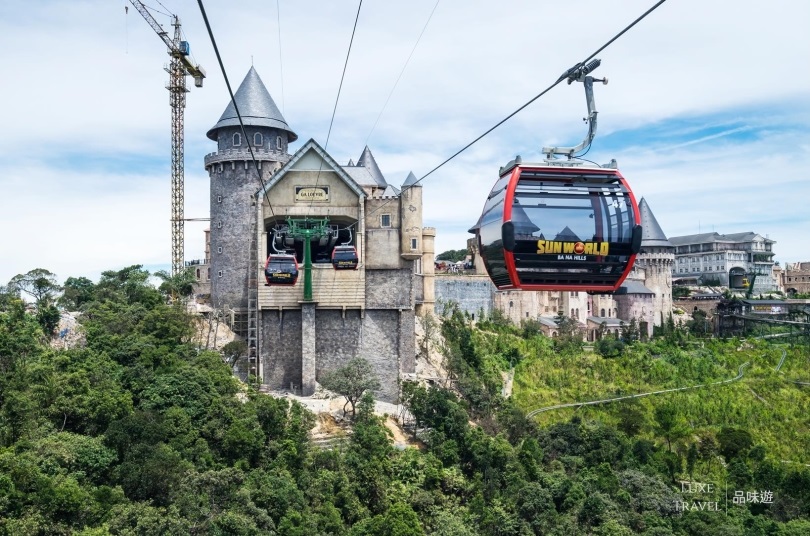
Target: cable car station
point(321, 261)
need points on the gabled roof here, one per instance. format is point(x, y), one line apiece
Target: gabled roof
point(651, 233)
point(367, 161)
point(312, 145)
point(633, 287)
point(608, 321)
point(390, 191)
point(704, 238)
point(256, 107)
point(361, 176)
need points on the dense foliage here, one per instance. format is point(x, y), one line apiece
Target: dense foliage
point(141, 432)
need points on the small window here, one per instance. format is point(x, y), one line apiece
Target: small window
point(219, 199)
point(219, 273)
point(237, 139)
point(602, 313)
point(385, 220)
point(219, 225)
point(511, 304)
point(414, 243)
point(258, 140)
point(219, 249)
point(278, 142)
point(198, 274)
point(208, 273)
point(527, 314)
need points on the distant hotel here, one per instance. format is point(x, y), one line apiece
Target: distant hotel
point(725, 260)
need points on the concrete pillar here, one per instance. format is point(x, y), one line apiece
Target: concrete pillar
point(428, 271)
point(407, 342)
point(308, 365)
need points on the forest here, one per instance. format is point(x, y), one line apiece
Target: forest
point(140, 431)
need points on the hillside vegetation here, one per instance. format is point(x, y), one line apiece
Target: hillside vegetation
point(140, 432)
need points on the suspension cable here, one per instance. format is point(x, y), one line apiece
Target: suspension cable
point(337, 98)
point(233, 101)
point(566, 75)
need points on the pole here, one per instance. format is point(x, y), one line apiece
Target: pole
point(307, 266)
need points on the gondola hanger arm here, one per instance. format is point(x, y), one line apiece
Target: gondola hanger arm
point(580, 73)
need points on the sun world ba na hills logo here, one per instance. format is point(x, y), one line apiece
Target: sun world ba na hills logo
point(551, 247)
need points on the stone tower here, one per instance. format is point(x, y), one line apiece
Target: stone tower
point(411, 217)
point(656, 258)
point(234, 181)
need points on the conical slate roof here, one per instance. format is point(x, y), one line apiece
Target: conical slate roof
point(411, 181)
point(367, 161)
point(651, 233)
point(256, 107)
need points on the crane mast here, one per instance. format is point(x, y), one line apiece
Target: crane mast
point(179, 66)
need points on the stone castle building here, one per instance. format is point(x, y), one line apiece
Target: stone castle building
point(368, 312)
point(795, 278)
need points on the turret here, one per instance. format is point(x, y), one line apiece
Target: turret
point(411, 218)
point(234, 180)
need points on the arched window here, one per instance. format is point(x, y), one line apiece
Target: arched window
point(602, 314)
point(258, 140)
point(572, 312)
point(237, 139)
point(278, 142)
point(577, 313)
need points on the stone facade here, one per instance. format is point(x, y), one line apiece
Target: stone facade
point(796, 278)
point(368, 312)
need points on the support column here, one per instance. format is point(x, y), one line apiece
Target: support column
point(308, 365)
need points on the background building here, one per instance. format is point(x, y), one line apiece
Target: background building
point(725, 260)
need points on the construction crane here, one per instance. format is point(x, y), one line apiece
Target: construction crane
point(180, 66)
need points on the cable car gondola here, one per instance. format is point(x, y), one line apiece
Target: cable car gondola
point(548, 227)
point(561, 225)
point(345, 258)
point(281, 269)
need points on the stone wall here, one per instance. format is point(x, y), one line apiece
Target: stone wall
point(385, 338)
point(281, 339)
point(472, 293)
point(387, 289)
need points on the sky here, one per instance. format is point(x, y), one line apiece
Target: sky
point(707, 111)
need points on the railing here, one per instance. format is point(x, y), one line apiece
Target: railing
point(235, 154)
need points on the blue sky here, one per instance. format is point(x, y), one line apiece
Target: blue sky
point(707, 111)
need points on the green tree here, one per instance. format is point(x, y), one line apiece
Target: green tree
point(78, 291)
point(351, 380)
point(734, 442)
point(669, 423)
point(452, 255)
point(38, 283)
point(233, 350)
point(179, 285)
point(569, 333)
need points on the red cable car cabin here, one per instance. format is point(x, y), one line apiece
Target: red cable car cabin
point(281, 269)
point(345, 258)
point(548, 227)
